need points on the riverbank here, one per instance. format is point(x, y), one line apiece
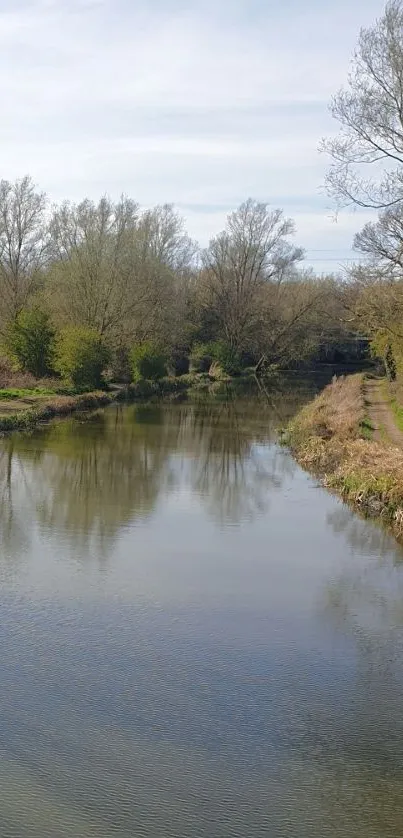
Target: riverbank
point(24, 408)
point(335, 438)
point(31, 409)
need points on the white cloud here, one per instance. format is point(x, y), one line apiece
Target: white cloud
point(199, 103)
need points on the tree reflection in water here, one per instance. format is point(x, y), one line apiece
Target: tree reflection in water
point(15, 501)
point(228, 470)
point(92, 478)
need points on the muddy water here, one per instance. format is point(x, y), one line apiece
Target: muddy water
point(196, 640)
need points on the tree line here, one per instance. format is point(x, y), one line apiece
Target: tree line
point(114, 282)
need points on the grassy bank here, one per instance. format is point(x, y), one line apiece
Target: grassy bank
point(33, 408)
point(331, 437)
point(21, 408)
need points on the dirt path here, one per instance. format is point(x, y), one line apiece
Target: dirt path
point(381, 416)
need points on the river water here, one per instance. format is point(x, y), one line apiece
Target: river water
point(196, 640)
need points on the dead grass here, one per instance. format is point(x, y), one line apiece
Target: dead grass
point(338, 411)
point(11, 378)
point(328, 438)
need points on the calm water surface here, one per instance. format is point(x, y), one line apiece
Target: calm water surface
point(196, 640)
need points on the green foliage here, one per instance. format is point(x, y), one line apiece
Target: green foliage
point(366, 428)
point(227, 357)
point(12, 393)
point(81, 356)
point(147, 361)
point(391, 399)
point(390, 349)
point(204, 354)
point(201, 357)
point(30, 342)
point(19, 421)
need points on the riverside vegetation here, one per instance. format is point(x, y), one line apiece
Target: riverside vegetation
point(333, 438)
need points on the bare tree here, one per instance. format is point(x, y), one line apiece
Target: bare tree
point(170, 256)
point(368, 152)
point(382, 243)
point(293, 318)
point(378, 302)
point(92, 279)
point(23, 243)
point(119, 271)
point(165, 239)
point(251, 252)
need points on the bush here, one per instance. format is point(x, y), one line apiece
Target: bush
point(228, 358)
point(147, 361)
point(200, 357)
point(203, 355)
point(81, 356)
point(30, 342)
point(180, 364)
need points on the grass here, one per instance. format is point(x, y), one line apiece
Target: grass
point(10, 393)
point(338, 411)
point(397, 413)
point(367, 428)
point(383, 432)
point(332, 438)
point(56, 406)
point(396, 408)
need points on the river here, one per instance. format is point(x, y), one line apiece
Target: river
point(196, 640)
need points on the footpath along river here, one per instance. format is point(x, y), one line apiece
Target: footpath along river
point(196, 640)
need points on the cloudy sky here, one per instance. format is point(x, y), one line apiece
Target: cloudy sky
point(201, 103)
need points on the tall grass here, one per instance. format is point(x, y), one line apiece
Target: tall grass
point(329, 438)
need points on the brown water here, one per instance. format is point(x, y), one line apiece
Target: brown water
point(196, 640)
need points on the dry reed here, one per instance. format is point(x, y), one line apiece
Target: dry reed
point(330, 437)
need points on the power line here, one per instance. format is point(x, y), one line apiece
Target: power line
point(330, 250)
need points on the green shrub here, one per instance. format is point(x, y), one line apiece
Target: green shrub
point(227, 357)
point(81, 356)
point(147, 361)
point(203, 355)
point(30, 342)
point(200, 357)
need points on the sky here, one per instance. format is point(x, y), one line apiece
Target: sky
point(202, 104)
